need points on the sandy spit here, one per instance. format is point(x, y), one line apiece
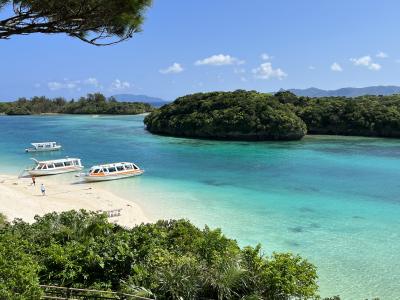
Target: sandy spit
point(19, 198)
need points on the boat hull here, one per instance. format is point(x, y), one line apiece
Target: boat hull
point(111, 177)
point(43, 150)
point(54, 172)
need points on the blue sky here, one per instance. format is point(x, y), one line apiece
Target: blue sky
point(191, 46)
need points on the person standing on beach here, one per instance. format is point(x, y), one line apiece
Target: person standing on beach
point(43, 189)
point(33, 180)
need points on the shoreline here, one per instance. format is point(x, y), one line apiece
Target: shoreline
point(20, 199)
point(71, 114)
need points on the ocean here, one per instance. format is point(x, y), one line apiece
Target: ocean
point(333, 200)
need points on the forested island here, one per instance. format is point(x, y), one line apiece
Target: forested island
point(165, 260)
point(91, 104)
point(249, 115)
point(238, 115)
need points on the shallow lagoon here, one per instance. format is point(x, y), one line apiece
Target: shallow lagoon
point(334, 200)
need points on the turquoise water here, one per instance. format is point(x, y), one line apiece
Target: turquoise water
point(334, 200)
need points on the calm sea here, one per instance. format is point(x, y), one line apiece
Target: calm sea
point(333, 200)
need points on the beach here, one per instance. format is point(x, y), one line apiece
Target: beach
point(19, 198)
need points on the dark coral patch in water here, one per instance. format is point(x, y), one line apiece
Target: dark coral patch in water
point(293, 244)
point(214, 182)
point(315, 225)
point(308, 189)
point(296, 229)
point(306, 209)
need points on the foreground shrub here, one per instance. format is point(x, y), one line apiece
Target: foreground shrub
point(18, 270)
point(168, 259)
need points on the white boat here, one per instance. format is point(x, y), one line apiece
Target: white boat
point(44, 146)
point(112, 171)
point(57, 166)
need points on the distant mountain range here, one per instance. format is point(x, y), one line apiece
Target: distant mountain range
point(310, 92)
point(140, 98)
point(348, 92)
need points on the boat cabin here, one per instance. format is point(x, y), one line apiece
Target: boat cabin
point(46, 145)
point(59, 163)
point(113, 168)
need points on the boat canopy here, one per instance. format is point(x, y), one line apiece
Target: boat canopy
point(46, 144)
point(119, 166)
point(61, 160)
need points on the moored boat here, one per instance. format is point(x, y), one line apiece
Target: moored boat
point(57, 166)
point(112, 171)
point(43, 146)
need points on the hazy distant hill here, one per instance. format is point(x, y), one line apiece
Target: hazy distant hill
point(140, 98)
point(348, 92)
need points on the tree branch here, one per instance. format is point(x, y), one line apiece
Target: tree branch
point(93, 22)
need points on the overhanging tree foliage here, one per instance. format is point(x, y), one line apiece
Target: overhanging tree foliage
point(97, 22)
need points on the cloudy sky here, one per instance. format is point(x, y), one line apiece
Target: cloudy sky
point(190, 46)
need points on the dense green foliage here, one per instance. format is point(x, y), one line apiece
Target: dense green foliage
point(238, 115)
point(172, 259)
point(91, 104)
point(3, 220)
point(98, 22)
point(283, 116)
point(18, 270)
point(363, 116)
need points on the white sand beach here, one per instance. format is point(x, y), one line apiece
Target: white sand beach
point(20, 199)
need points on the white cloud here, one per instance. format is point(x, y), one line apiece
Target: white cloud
point(375, 66)
point(91, 81)
point(265, 56)
point(266, 71)
point(88, 84)
point(119, 85)
point(37, 85)
point(362, 61)
point(366, 61)
point(219, 60)
point(54, 85)
point(336, 67)
point(311, 67)
point(71, 84)
point(243, 79)
point(382, 54)
point(239, 71)
point(174, 68)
